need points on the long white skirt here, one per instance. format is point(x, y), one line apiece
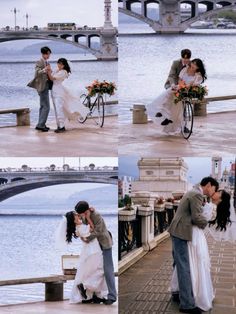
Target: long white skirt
point(164, 104)
point(199, 261)
point(90, 273)
point(68, 107)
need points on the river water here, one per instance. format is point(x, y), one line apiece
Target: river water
point(17, 69)
point(145, 60)
point(27, 226)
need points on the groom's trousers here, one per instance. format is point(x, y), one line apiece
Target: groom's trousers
point(44, 108)
point(181, 262)
point(109, 273)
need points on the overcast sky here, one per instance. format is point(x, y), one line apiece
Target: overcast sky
point(81, 12)
point(199, 167)
point(58, 161)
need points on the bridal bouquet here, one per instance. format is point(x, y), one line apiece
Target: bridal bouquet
point(103, 87)
point(197, 92)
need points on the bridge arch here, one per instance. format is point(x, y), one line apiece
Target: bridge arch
point(92, 42)
point(3, 181)
point(17, 179)
point(186, 24)
point(21, 186)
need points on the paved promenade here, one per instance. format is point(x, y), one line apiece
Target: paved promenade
point(143, 288)
point(88, 140)
point(59, 308)
point(211, 134)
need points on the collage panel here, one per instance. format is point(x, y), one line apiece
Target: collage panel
point(158, 114)
point(117, 168)
point(177, 232)
point(58, 78)
point(58, 235)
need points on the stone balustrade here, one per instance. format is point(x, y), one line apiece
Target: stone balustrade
point(143, 225)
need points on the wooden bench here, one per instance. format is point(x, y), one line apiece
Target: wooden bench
point(22, 115)
point(53, 285)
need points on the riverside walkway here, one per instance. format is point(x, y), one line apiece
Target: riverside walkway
point(59, 308)
point(143, 288)
point(212, 134)
point(87, 140)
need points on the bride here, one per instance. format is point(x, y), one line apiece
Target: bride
point(68, 108)
point(164, 107)
point(199, 258)
point(89, 284)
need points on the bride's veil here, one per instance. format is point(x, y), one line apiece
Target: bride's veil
point(60, 234)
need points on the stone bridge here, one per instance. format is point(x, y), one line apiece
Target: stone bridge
point(16, 182)
point(169, 18)
point(105, 48)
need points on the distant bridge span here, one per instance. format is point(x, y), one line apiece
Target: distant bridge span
point(19, 182)
point(170, 20)
point(107, 49)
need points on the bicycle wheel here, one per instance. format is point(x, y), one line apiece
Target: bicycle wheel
point(85, 99)
point(98, 111)
point(187, 124)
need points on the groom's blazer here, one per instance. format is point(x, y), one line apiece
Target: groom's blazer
point(40, 80)
point(173, 76)
point(100, 231)
point(189, 213)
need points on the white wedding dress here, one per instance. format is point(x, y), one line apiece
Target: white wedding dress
point(199, 261)
point(90, 270)
point(164, 104)
point(68, 107)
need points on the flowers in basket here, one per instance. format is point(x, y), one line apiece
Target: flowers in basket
point(183, 90)
point(103, 87)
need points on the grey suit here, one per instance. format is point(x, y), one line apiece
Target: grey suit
point(187, 215)
point(40, 83)
point(105, 240)
point(173, 76)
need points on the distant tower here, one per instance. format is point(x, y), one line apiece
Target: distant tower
point(225, 179)
point(107, 10)
point(216, 168)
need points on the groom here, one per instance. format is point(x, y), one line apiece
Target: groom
point(176, 68)
point(173, 77)
point(105, 240)
point(187, 215)
point(42, 84)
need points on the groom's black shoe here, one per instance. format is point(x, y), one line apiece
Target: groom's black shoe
point(45, 129)
point(108, 301)
point(82, 291)
point(158, 114)
point(97, 300)
point(195, 310)
point(166, 122)
point(60, 130)
point(175, 298)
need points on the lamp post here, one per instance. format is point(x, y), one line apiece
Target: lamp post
point(15, 11)
point(27, 20)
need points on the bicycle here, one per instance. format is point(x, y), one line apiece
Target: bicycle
point(96, 109)
point(187, 123)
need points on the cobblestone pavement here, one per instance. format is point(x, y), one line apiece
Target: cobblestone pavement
point(143, 288)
